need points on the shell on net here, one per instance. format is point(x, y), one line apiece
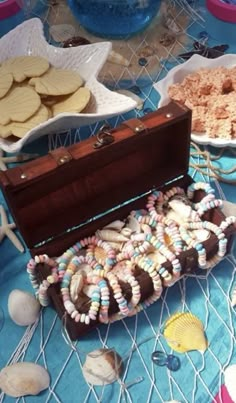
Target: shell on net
point(184, 332)
point(76, 285)
point(109, 235)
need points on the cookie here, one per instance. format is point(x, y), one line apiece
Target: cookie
point(57, 82)
point(75, 103)
point(20, 129)
point(6, 80)
point(23, 67)
point(19, 105)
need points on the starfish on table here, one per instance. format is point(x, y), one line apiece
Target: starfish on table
point(18, 158)
point(6, 230)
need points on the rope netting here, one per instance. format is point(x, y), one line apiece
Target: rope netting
point(207, 295)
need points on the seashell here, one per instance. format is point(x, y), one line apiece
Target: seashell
point(184, 332)
point(100, 254)
point(116, 245)
point(76, 285)
point(146, 228)
point(230, 376)
point(181, 208)
point(126, 232)
point(146, 51)
point(117, 58)
point(172, 215)
point(62, 32)
point(110, 235)
point(23, 378)
point(117, 225)
point(121, 269)
point(233, 298)
point(89, 289)
point(133, 224)
point(23, 307)
point(201, 234)
point(135, 97)
point(85, 269)
point(102, 367)
point(138, 237)
point(157, 257)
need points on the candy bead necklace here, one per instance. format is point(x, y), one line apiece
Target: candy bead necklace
point(192, 243)
point(118, 295)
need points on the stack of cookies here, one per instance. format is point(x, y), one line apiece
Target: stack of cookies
point(32, 91)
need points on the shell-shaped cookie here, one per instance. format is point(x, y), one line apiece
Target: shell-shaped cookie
point(76, 285)
point(184, 332)
point(75, 103)
point(19, 105)
point(23, 67)
point(110, 235)
point(6, 81)
point(19, 129)
point(57, 82)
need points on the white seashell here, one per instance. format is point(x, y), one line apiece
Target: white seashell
point(117, 58)
point(102, 367)
point(146, 229)
point(126, 232)
point(138, 237)
point(116, 245)
point(230, 377)
point(172, 215)
point(111, 236)
point(23, 378)
point(133, 224)
point(62, 32)
point(23, 307)
point(233, 298)
point(76, 285)
point(89, 289)
point(135, 97)
point(180, 208)
point(117, 225)
point(201, 234)
point(84, 269)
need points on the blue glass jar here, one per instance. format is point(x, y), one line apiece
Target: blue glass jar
point(114, 19)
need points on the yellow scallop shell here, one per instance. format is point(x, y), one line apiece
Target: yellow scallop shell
point(184, 332)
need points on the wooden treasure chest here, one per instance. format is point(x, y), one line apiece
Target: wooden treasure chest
point(114, 219)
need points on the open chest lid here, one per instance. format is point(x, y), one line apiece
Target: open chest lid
point(67, 187)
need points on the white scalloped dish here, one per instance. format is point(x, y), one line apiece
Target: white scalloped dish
point(28, 39)
point(177, 75)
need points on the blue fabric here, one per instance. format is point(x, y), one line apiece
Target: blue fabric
point(204, 297)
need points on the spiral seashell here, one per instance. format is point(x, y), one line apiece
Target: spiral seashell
point(133, 224)
point(184, 332)
point(110, 236)
point(76, 285)
point(146, 229)
point(138, 237)
point(117, 58)
point(115, 225)
point(126, 232)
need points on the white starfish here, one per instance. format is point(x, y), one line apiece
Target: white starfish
point(6, 230)
point(18, 158)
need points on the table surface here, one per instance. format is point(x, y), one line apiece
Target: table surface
point(207, 296)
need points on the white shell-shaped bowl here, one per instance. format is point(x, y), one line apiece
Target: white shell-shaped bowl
point(177, 75)
point(28, 39)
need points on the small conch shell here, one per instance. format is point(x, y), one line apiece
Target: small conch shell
point(126, 232)
point(184, 332)
point(233, 298)
point(116, 225)
point(110, 236)
point(117, 58)
point(116, 245)
point(76, 285)
point(133, 224)
point(135, 97)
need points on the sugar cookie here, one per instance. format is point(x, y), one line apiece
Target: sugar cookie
point(20, 129)
point(6, 80)
point(19, 105)
point(74, 103)
point(23, 67)
point(57, 82)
